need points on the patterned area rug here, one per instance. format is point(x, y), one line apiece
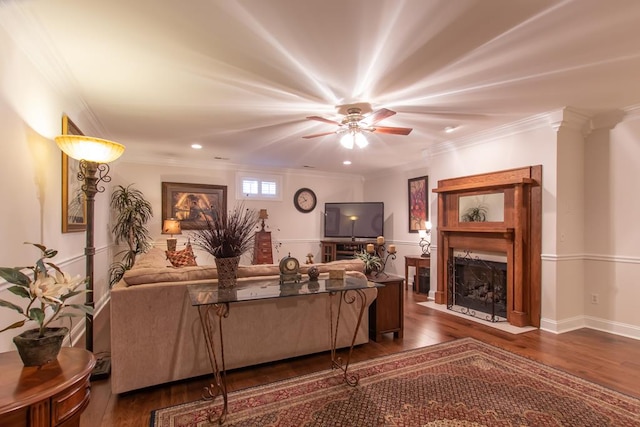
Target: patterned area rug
point(461, 383)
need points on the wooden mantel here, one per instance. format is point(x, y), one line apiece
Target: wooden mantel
point(518, 236)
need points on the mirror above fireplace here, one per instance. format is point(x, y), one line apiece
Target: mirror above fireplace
point(486, 207)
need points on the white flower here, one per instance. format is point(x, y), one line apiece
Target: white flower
point(67, 282)
point(46, 289)
point(50, 289)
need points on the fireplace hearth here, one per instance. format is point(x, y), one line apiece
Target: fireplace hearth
point(477, 287)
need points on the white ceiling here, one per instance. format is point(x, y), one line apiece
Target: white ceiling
point(240, 77)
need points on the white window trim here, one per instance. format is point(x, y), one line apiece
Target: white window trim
point(260, 178)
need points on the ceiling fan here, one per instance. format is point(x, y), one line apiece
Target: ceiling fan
point(357, 119)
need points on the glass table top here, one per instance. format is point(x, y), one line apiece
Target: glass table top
point(204, 294)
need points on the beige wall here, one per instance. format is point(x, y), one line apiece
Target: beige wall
point(291, 231)
point(30, 171)
point(612, 232)
point(590, 188)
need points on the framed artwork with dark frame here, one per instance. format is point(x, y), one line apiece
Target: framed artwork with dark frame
point(418, 204)
point(74, 203)
point(192, 203)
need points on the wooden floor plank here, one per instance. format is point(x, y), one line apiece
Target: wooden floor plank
point(609, 360)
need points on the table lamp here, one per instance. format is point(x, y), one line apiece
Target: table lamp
point(171, 226)
point(424, 243)
point(262, 215)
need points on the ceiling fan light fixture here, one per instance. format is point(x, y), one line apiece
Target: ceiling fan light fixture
point(347, 141)
point(360, 140)
point(353, 137)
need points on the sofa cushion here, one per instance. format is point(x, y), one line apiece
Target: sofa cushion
point(153, 267)
point(183, 258)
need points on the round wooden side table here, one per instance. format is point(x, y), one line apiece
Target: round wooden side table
point(54, 394)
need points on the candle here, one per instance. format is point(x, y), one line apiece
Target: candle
point(392, 249)
point(380, 240)
point(427, 224)
point(370, 248)
point(422, 233)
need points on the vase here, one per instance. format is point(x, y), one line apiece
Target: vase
point(35, 350)
point(227, 271)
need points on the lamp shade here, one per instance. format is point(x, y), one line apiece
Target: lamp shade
point(263, 214)
point(82, 147)
point(171, 226)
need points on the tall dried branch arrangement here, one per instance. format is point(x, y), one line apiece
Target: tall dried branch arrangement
point(228, 234)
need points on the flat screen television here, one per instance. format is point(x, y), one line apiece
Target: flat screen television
point(364, 220)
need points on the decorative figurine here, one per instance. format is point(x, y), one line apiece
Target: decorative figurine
point(313, 273)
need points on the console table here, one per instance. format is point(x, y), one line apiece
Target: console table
point(214, 303)
point(54, 394)
point(418, 262)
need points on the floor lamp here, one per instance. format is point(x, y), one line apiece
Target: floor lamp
point(94, 155)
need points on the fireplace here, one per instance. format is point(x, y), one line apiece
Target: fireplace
point(509, 223)
point(478, 286)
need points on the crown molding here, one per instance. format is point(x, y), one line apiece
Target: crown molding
point(221, 165)
point(632, 112)
point(538, 121)
point(569, 118)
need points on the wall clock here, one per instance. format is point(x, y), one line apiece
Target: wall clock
point(305, 200)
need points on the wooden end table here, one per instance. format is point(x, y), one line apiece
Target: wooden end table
point(386, 312)
point(418, 262)
point(54, 394)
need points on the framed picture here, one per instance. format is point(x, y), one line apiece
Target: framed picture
point(418, 207)
point(192, 203)
point(74, 204)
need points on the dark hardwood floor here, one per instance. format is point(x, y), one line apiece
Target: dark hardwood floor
point(609, 360)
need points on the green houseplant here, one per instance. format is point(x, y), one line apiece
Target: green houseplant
point(48, 290)
point(226, 236)
point(132, 211)
point(475, 214)
point(372, 262)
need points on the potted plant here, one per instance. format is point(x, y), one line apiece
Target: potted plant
point(226, 236)
point(372, 262)
point(133, 211)
point(48, 293)
point(475, 214)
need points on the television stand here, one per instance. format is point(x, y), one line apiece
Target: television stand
point(333, 250)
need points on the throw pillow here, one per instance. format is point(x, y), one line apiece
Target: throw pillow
point(183, 258)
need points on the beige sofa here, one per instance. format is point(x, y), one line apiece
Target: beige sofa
point(156, 336)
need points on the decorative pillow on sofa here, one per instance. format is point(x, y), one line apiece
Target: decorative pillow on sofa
point(183, 258)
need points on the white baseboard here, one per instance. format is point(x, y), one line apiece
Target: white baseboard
point(578, 322)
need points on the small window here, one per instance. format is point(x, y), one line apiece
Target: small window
point(250, 186)
point(259, 187)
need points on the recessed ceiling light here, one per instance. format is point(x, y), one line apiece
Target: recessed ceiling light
point(196, 146)
point(346, 162)
point(450, 129)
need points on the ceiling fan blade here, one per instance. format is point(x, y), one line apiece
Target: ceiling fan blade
point(322, 119)
point(315, 135)
point(392, 130)
point(376, 116)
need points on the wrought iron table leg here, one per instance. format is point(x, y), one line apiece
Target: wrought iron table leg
point(349, 297)
point(218, 386)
